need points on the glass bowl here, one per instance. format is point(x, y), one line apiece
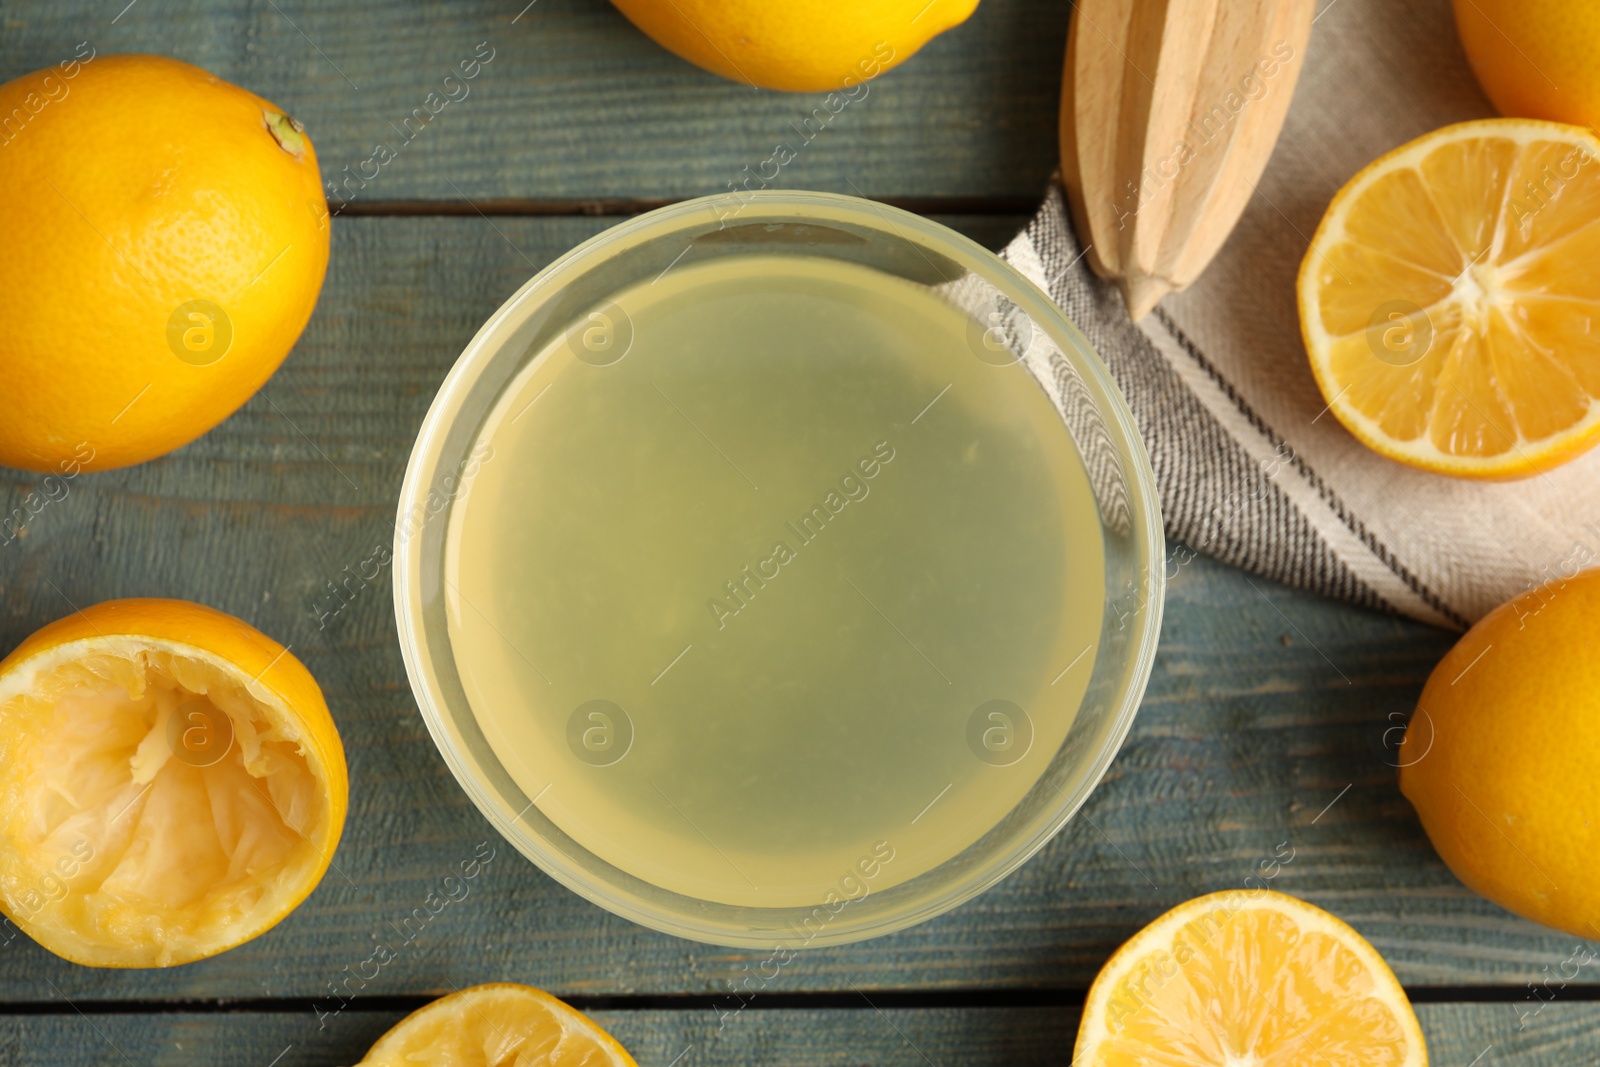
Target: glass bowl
point(1011, 322)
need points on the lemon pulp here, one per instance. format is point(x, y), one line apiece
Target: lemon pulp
point(1248, 979)
point(123, 844)
point(1449, 299)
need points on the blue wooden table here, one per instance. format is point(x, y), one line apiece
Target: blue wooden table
point(1267, 719)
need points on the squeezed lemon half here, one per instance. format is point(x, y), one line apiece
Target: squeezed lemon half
point(171, 784)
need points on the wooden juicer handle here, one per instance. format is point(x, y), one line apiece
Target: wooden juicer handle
point(1169, 111)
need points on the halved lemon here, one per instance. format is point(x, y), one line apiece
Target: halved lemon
point(1450, 300)
point(171, 784)
point(499, 1024)
point(1248, 978)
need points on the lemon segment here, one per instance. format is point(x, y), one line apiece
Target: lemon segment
point(499, 1024)
point(1248, 979)
point(1449, 300)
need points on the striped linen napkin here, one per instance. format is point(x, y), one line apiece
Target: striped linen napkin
point(1253, 471)
point(1251, 467)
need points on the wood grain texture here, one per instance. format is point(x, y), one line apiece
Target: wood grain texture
point(576, 103)
point(1267, 716)
point(1265, 720)
point(1563, 1035)
point(1168, 114)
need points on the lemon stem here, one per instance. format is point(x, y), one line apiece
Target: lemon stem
point(289, 134)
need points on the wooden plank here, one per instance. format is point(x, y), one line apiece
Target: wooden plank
point(1457, 1034)
point(575, 103)
point(1264, 722)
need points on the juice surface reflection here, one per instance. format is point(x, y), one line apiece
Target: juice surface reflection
point(772, 581)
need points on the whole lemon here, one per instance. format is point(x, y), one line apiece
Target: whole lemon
point(1502, 757)
point(799, 45)
point(1537, 59)
point(166, 236)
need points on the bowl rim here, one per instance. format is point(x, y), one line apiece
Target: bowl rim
point(423, 464)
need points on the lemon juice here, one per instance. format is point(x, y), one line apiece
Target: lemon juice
point(770, 584)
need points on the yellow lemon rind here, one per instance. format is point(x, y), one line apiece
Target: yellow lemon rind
point(394, 1041)
point(1093, 1032)
point(1525, 458)
point(110, 628)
